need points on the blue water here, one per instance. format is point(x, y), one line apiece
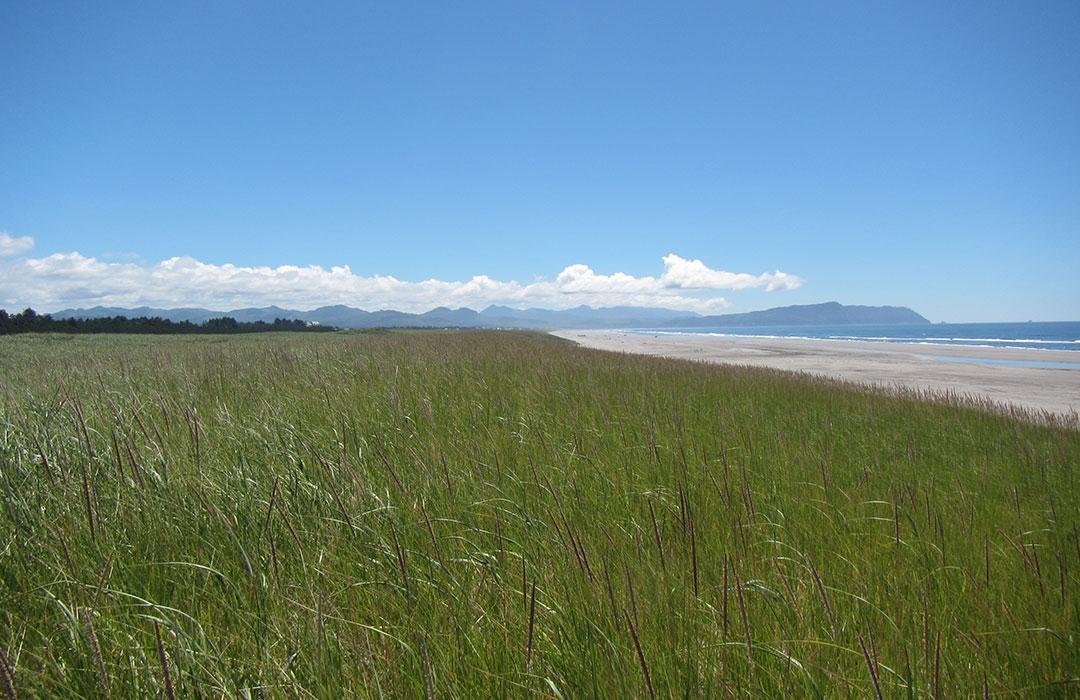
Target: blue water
point(1060, 335)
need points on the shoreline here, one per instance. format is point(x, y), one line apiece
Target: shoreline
point(986, 373)
point(966, 344)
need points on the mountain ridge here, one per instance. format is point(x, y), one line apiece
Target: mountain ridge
point(830, 313)
point(495, 316)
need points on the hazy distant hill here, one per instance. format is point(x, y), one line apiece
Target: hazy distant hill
point(831, 313)
point(827, 314)
point(442, 317)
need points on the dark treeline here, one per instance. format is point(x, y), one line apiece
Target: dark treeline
point(29, 321)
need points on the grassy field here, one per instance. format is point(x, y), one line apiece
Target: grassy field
point(496, 514)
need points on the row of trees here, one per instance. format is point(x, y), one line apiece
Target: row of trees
point(29, 321)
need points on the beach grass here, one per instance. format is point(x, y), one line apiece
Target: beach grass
point(476, 514)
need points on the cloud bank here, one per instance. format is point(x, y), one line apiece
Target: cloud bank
point(10, 245)
point(73, 280)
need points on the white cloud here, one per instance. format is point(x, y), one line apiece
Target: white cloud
point(9, 245)
point(71, 279)
point(680, 273)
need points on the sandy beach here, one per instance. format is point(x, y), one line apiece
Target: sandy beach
point(979, 372)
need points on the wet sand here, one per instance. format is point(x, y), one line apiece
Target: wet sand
point(985, 373)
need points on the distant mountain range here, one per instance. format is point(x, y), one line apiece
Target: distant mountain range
point(831, 313)
point(827, 314)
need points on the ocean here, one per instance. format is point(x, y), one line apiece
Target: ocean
point(1033, 335)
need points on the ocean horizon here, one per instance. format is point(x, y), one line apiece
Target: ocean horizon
point(1029, 335)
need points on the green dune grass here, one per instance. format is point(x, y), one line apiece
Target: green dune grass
point(505, 514)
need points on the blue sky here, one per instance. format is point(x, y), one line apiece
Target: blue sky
point(921, 154)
